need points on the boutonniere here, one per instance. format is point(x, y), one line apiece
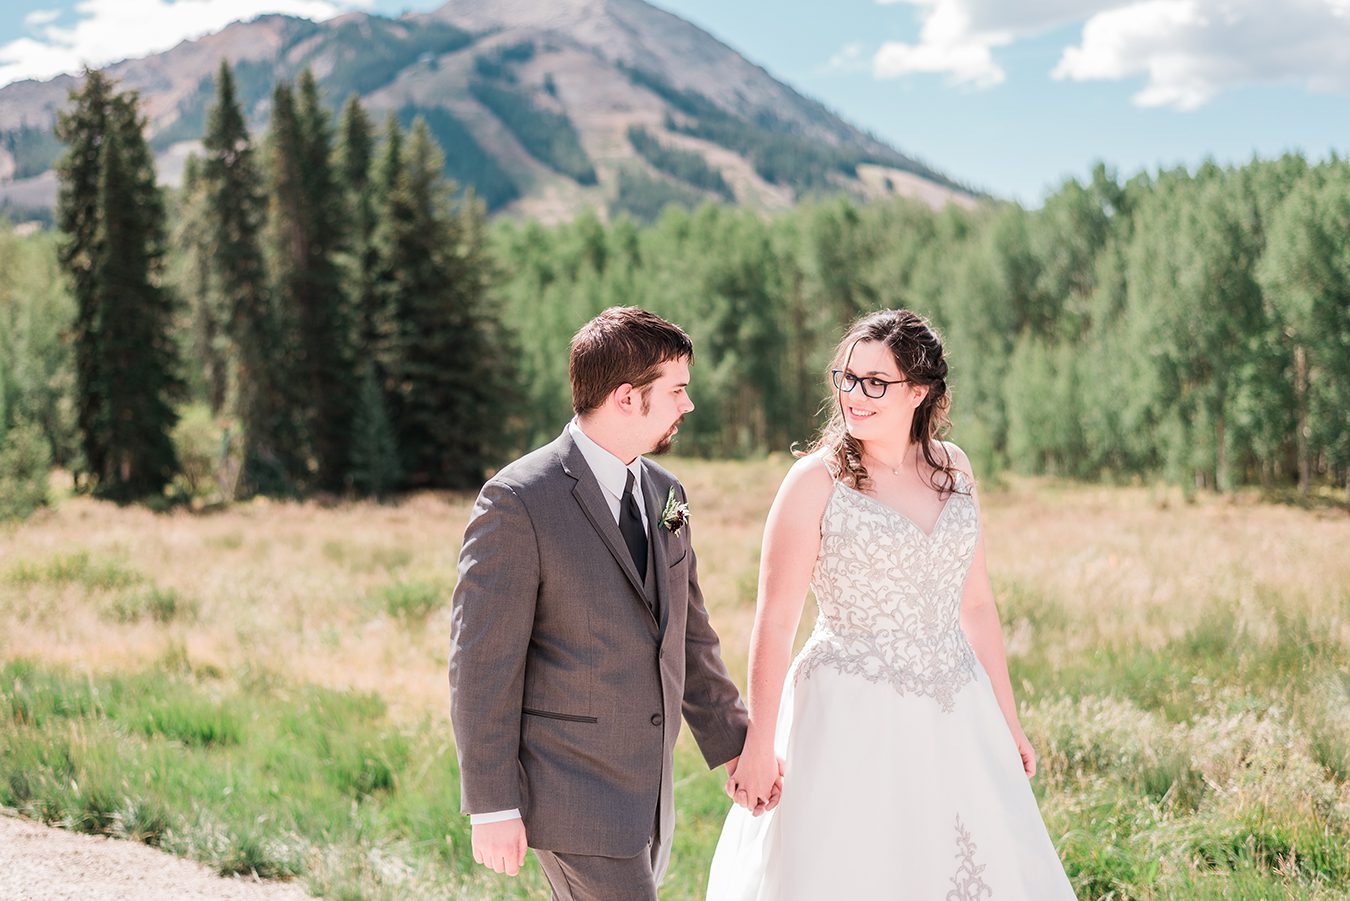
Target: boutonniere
point(676, 513)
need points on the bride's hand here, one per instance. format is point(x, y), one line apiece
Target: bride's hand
point(1027, 752)
point(755, 781)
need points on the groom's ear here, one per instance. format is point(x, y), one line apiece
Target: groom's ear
point(625, 397)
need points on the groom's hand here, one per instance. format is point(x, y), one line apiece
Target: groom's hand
point(500, 846)
point(776, 793)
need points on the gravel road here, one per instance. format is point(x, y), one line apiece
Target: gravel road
point(39, 862)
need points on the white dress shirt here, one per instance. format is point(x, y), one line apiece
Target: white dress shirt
point(612, 474)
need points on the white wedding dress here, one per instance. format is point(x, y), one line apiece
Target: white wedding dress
point(902, 778)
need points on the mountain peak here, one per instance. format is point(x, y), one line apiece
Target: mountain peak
point(546, 107)
point(518, 13)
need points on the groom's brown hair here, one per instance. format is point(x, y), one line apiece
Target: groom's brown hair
point(622, 345)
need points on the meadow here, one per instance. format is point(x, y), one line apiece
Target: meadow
point(263, 687)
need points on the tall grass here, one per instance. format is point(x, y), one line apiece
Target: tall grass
point(78, 568)
point(249, 775)
point(264, 688)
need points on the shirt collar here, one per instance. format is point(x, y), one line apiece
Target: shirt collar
point(609, 470)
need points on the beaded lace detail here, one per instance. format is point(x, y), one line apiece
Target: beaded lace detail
point(890, 595)
point(968, 884)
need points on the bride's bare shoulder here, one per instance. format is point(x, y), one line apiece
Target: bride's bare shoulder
point(808, 484)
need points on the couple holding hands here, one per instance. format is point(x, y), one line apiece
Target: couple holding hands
point(885, 761)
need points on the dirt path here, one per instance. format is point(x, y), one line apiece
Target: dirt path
point(39, 862)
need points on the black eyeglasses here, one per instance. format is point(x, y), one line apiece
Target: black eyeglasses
point(845, 382)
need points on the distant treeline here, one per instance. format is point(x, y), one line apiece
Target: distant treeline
point(1193, 326)
point(314, 312)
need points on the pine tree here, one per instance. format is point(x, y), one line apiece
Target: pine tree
point(84, 127)
point(442, 359)
point(492, 385)
point(272, 452)
point(305, 239)
point(360, 193)
point(374, 466)
point(127, 359)
point(327, 330)
point(387, 173)
point(205, 339)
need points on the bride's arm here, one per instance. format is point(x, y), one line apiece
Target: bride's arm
point(979, 620)
point(791, 542)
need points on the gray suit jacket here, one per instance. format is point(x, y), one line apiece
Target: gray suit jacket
point(566, 692)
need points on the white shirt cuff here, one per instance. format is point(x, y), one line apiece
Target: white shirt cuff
point(497, 816)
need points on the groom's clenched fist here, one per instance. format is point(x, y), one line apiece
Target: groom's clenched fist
point(500, 846)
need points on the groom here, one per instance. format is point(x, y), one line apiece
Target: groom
point(579, 633)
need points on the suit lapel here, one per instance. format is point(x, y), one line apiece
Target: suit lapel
point(658, 534)
point(592, 502)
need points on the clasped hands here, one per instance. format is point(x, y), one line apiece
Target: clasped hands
point(755, 781)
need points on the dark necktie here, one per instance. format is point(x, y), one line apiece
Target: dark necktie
point(630, 524)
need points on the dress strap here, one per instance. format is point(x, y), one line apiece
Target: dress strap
point(960, 482)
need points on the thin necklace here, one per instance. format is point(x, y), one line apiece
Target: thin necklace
point(895, 470)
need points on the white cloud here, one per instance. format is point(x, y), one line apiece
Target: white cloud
point(1190, 50)
point(850, 58)
point(106, 31)
point(947, 43)
point(958, 37)
point(1021, 17)
point(1187, 50)
point(39, 17)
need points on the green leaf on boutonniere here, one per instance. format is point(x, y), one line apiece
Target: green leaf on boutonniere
point(675, 514)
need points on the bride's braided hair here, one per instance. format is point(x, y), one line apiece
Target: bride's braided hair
point(917, 350)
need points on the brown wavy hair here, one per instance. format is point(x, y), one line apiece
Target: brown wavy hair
point(917, 350)
point(622, 345)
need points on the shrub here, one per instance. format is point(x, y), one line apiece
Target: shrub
point(79, 568)
point(208, 463)
point(162, 605)
point(25, 458)
point(194, 721)
point(412, 600)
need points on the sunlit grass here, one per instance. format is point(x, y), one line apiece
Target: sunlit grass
point(78, 568)
point(264, 687)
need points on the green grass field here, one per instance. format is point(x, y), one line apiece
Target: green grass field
point(264, 688)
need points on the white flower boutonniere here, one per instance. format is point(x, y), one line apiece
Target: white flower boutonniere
point(676, 513)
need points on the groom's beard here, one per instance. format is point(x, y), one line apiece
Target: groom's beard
point(664, 445)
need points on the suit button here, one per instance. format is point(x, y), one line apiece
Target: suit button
point(656, 719)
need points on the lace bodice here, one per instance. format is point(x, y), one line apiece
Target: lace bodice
point(890, 594)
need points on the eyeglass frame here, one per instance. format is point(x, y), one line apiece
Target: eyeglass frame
point(841, 375)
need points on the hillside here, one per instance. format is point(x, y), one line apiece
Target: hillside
point(546, 108)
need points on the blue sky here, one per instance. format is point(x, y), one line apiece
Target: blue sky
point(1011, 97)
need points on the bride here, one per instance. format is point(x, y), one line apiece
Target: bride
point(906, 768)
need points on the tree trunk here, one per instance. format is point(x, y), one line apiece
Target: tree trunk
point(1221, 479)
point(1301, 410)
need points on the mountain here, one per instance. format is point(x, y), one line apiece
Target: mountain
point(546, 107)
